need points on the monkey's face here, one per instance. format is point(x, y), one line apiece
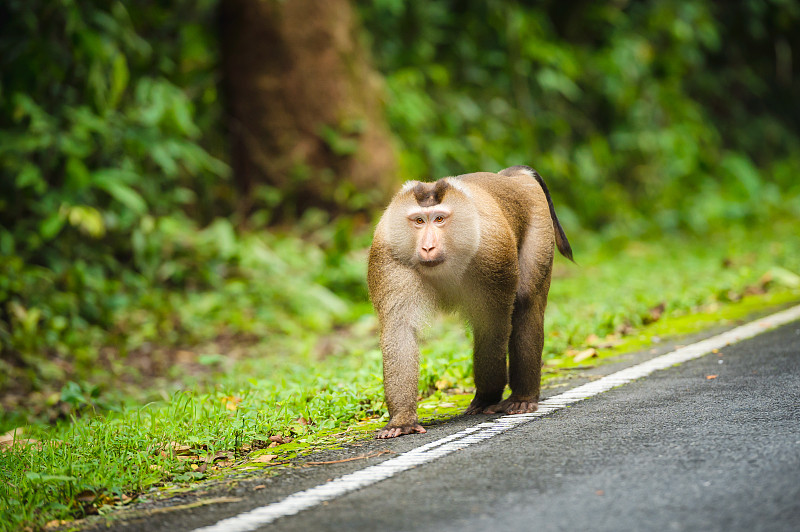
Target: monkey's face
point(430, 226)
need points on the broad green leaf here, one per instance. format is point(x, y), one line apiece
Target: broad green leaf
point(86, 218)
point(50, 226)
point(164, 159)
point(119, 80)
point(552, 79)
point(31, 176)
point(78, 176)
point(111, 180)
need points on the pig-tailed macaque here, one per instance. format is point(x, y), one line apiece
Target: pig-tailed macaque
point(480, 244)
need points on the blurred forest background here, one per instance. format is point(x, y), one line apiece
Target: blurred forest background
point(180, 172)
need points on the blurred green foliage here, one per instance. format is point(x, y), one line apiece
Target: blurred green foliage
point(120, 241)
point(113, 450)
point(642, 116)
point(105, 113)
point(117, 218)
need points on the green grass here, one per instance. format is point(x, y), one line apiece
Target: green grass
point(317, 379)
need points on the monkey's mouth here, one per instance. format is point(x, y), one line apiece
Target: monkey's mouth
point(432, 262)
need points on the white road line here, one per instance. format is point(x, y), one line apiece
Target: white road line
point(303, 500)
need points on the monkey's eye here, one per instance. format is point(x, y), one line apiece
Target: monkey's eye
point(439, 219)
point(419, 220)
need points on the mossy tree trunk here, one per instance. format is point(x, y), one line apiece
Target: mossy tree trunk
point(305, 107)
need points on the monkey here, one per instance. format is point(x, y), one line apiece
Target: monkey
point(481, 244)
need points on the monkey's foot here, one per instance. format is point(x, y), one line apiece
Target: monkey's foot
point(479, 406)
point(513, 405)
point(393, 432)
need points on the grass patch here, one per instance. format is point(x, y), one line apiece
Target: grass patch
point(315, 380)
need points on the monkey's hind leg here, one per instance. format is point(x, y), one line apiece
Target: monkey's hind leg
point(525, 358)
point(489, 362)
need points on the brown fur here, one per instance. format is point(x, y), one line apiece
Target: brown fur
point(429, 194)
point(496, 252)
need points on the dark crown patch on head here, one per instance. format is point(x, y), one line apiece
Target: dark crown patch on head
point(430, 194)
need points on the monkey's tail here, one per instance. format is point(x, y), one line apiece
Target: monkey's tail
point(561, 238)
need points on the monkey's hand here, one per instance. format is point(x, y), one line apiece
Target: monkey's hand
point(390, 431)
point(513, 405)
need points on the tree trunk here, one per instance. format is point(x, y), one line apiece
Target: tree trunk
point(305, 107)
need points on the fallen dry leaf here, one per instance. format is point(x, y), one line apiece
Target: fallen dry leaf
point(592, 340)
point(709, 377)
point(264, 458)
point(86, 496)
point(179, 449)
point(221, 455)
point(231, 402)
point(734, 296)
point(185, 357)
point(14, 438)
point(610, 340)
point(755, 289)
point(444, 384)
point(583, 355)
point(625, 329)
point(655, 313)
point(11, 435)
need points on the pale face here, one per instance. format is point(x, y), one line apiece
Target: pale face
point(429, 225)
point(436, 233)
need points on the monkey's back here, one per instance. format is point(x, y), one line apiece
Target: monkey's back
point(523, 201)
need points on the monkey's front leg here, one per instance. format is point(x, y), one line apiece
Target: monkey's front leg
point(400, 379)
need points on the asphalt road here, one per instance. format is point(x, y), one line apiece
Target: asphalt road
point(676, 450)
